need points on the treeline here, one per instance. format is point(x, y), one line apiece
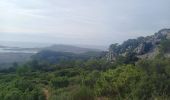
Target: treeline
point(90, 80)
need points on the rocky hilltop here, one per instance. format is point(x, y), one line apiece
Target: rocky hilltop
point(142, 47)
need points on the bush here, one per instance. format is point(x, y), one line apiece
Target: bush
point(119, 83)
point(90, 79)
point(60, 82)
point(165, 46)
point(83, 93)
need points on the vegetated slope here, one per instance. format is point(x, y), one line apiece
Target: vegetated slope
point(143, 47)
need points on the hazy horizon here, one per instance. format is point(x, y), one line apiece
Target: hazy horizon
point(82, 22)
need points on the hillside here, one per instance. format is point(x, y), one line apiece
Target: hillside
point(142, 47)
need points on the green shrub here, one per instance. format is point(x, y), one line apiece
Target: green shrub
point(164, 47)
point(118, 83)
point(60, 82)
point(83, 93)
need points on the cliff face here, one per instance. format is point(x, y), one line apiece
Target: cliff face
point(143, 47)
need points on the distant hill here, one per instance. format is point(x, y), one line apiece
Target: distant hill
point(56, 48)
point(7, 59)
point(56, 57)
point(9, 55)
point(69, 48)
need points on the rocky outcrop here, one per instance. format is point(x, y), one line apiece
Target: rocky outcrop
point(143, 47)
point(111, 56)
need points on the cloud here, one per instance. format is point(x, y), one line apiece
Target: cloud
point(85, 21)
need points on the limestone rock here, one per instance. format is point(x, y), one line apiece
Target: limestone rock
point(144, 47)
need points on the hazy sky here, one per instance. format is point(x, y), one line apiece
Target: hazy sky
point(95, 22)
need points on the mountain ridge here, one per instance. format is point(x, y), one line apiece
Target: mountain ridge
point(69, 48)
point(143, 47)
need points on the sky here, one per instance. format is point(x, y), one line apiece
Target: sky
point(91, 22)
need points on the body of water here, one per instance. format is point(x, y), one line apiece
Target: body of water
point(23, 44)
point(2, 50)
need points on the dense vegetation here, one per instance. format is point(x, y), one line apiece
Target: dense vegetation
point(64, 76)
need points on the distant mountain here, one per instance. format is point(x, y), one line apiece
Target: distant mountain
point(56, 57)
point(57, 48)
point(143, 47)
point(9, 55)
point(69, 48)
point(7, 59)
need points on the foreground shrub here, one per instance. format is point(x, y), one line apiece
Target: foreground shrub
point(119, 83)
point(83, 93)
